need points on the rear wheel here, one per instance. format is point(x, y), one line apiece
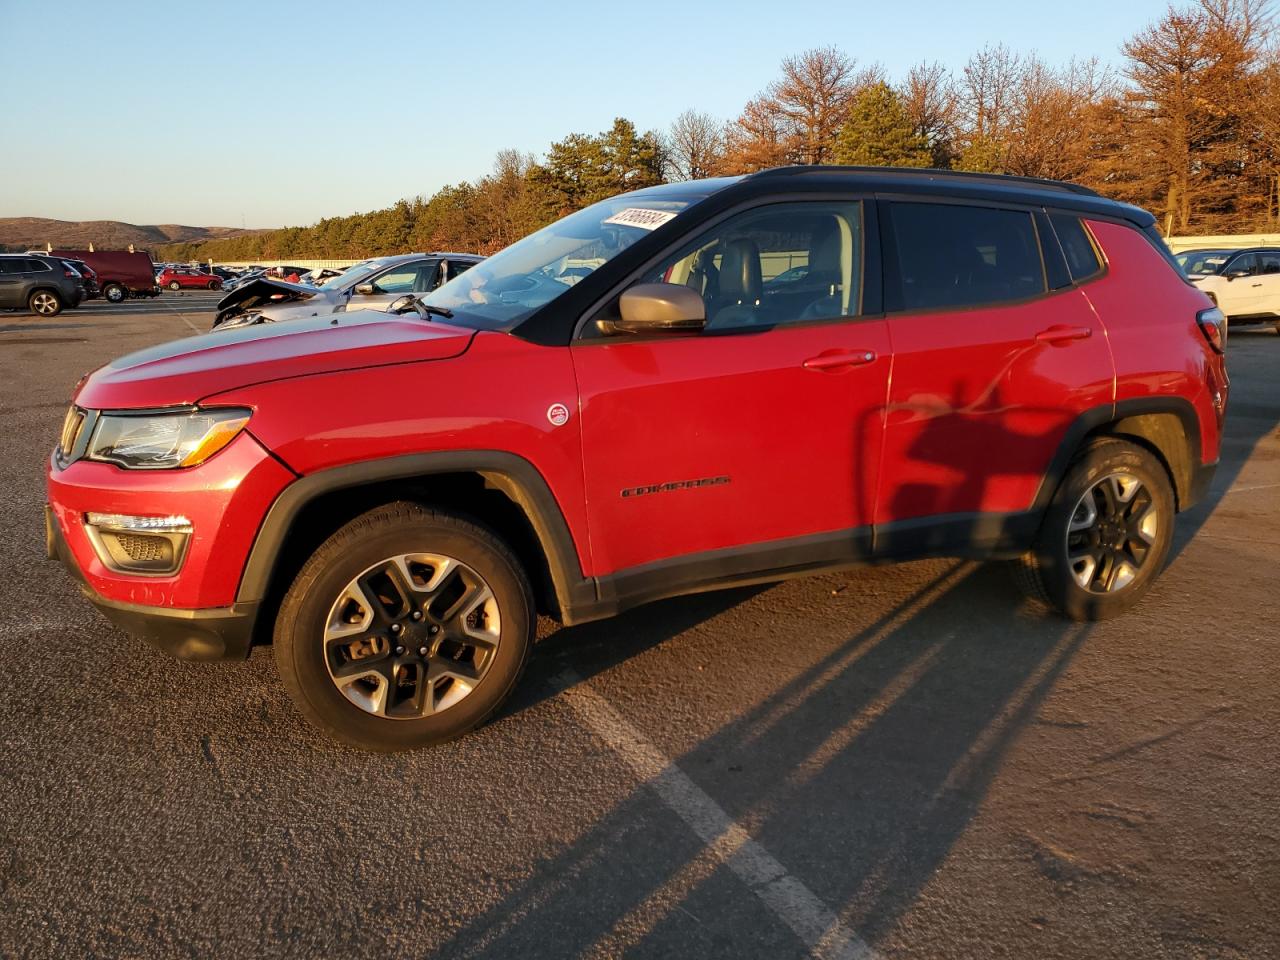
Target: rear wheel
point(1106, 535)
point(45, 303)
point(407, 627)
point(114, 293)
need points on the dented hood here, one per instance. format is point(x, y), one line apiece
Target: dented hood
point(185, 371)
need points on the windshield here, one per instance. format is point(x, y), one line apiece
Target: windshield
point(1203, 263)
point(352, 275)
point(512, 284)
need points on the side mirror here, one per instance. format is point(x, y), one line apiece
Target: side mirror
point(1237, 274)
point(366, 289)
point(402, 304)
point(658, 308)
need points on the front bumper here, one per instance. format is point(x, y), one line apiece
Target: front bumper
point(195, 612)
point(217, 633)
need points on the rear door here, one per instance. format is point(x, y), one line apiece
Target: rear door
point(753, 444)
point(1268, 282)
point(1259, 292)
point(996, 351)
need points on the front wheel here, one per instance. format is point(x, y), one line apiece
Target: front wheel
point(213, 284)
point(114, 293)
point(45, 303)
point(174, 285)
point(1105, 536)
point(407, 627)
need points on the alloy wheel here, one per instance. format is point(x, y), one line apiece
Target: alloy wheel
point(411, 636)
point(1112, 533)
point(45, 304)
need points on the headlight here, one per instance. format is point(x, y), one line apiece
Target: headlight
point(161, 441)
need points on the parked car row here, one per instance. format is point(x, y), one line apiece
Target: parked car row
point(383, 283)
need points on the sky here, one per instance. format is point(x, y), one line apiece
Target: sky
point(279, 113)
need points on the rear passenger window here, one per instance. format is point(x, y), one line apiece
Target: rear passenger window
point(1082, 258)
point(949, 255)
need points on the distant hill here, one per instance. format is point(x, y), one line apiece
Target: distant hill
point(24, 233)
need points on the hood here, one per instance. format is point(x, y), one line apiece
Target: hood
point(185, 371)
point(267, 292)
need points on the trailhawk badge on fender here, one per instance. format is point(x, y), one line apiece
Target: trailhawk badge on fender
point(558, 414)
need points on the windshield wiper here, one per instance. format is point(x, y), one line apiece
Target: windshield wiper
point(438, 311)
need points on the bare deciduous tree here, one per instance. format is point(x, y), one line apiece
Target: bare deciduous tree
point(694, 146)
point(930, 99)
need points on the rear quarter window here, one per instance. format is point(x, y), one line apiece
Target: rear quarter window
point(1077, 246)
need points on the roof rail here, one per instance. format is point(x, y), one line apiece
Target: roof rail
point(964, 175)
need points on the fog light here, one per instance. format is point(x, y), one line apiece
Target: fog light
point(153, 546)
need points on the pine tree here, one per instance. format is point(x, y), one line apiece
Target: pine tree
point(878, 132)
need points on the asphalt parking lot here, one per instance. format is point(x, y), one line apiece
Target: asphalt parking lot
point(897, 761)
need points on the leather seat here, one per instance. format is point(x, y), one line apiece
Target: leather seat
point(740, 285)
point(824, 281)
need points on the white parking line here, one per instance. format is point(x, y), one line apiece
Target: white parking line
point(821, 931)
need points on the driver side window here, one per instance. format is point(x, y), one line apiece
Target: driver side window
point(783, 263)
point(401, 279)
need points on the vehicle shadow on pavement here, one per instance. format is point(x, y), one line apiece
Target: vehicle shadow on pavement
point(858, 774)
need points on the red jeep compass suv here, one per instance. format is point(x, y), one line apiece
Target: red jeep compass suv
point(644, 399)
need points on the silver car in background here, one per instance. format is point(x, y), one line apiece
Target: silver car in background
point(370, 285)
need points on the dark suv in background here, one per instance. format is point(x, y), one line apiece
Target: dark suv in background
point(43, 285)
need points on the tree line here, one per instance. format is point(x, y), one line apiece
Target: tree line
point(1188, 126)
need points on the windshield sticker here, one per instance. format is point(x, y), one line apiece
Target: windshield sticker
point(640, 217)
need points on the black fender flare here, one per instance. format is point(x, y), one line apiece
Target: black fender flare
point(1190, 480)
point(515, 476)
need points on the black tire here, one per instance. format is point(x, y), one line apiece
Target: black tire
point(213, 284)
point(115, 293)
point(45, 303)
point(390, 531)
point(1045, 573)
point(174, 285)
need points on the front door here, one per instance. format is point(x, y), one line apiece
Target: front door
point(415, 276)
point(755, 443)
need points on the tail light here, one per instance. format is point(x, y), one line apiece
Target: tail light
point(1213, 324)
point(70, 274)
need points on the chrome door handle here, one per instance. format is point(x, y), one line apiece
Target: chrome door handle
point(835, 359)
